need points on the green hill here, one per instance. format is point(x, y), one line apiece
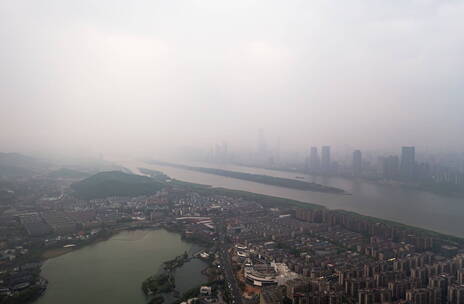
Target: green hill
point(115, 183)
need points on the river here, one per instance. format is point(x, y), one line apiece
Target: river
point(112, 271)
point(405, 205)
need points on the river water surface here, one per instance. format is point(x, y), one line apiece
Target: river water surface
point(112, 271)
point(405, 205)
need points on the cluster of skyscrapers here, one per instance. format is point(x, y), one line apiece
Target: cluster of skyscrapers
point(392, 167)
point(403, 167)
point(322, 164)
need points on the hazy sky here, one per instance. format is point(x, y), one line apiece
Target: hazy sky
point(140, 76)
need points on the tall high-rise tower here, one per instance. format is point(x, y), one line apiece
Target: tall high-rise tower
point(357, 163)
point(314, 162)
point(325, 159)
point(390, 166)
point(408, 162)
point(262, 146)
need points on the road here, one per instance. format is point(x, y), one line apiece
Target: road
point(229, 276)
point(226, 264)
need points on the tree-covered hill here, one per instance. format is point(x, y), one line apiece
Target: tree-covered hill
point(115, 183)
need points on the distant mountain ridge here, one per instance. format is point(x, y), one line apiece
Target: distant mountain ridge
point(115, 183)
point(16, 165)
point(19, 165)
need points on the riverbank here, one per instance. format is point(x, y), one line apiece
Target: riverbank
point(269, 201)
point(445, 189)
point(258, 178)
point(409, 214)
point(413, 207)
point(277, 201)
point(265, 200)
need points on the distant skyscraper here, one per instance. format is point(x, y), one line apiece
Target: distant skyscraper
point(357, 163)
point(224, 152)
point(390, 167)
point(262, 147)
point(462, 163)
point(408, 162)
point(219, 154)
point(325, 159)
point(314, 162)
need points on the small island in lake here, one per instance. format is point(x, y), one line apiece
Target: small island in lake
point(164, 281)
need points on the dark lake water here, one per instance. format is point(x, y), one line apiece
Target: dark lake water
point(112, 271)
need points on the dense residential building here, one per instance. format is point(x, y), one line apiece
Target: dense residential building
point(265, 249)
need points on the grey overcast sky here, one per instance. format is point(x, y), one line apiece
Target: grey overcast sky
point(145, 76)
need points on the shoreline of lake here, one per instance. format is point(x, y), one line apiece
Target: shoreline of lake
point(124, 250)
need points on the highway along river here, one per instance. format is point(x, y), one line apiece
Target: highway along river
point(112, 271)
point(413, 207)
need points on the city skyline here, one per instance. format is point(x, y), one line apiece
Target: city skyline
point(156, 77)
point(231, 152)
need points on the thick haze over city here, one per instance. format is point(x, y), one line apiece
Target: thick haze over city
point(140, 77)
point(231, 152)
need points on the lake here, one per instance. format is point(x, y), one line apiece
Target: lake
point(112, 271)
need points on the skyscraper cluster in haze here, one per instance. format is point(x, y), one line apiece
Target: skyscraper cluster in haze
point(403, 166)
